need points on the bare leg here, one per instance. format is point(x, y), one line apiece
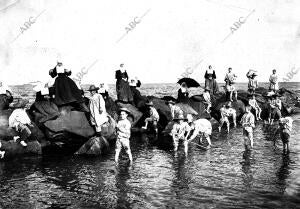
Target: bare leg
point(186, 147)
point(228, 126)
point(235, 93)
point(175, 143)
point(230, 97)
point(117, 155)
point(128, 151)
point(251, 139)
point(208, 140)
point(234, 119)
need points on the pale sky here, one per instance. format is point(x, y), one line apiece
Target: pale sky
point(172, 36)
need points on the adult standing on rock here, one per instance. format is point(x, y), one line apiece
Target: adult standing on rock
point(97, 109)
point(124, 93)
point(210, 80)
point(273, 82)
point(66, 90)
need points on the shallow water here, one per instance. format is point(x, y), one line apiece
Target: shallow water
point(217, 178)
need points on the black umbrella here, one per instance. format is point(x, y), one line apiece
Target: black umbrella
point(189, 82)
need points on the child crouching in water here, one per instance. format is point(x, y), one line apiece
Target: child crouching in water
point(123, 135)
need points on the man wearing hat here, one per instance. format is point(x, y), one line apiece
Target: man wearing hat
point(153, 117)
point(206, 96)
point(123, 134)
point(97, 109)
point(175, 110)
point(180, 131)
point(226, 112)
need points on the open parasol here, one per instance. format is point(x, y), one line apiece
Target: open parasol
point(189, 82)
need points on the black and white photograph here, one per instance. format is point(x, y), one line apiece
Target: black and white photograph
point(150, 104)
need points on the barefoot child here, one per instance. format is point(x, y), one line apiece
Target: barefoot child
point(254, 105)
point(180, 131)
point(284, 129)
point(226, 112)
point(153, 118)
point(201, 127)
point(247, 122)
point(123, 134)
point(206, 97)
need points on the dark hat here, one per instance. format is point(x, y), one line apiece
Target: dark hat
point(170, 102)
point(180, 117)
point(149, 103)
point(229, 104)
point(124, 109)
point(93, 88)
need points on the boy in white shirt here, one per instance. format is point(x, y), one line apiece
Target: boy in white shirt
point(123, 134)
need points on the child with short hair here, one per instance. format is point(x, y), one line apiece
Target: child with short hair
point(123, 134)
point(153, 117)
point(254, 105)
point(247, 122)
point(284, 129)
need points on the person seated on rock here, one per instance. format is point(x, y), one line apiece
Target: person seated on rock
point(20, 122)
point(97, 109)
point(274, 109)
point(284, 129)
point(226, 112)
point(207, 100)
point(247, 122)
point(5, 96)
point(230, 80)
point(180, 131)
point(153, 117)
point(123, 134)
point(66, 90)
point(103, 90)
point(201, 127)
point(273, 82)
point(254, 106)
point(183, 93)
point(2, 152)
point(175, 110)
point(252, 83)
point(138, 99)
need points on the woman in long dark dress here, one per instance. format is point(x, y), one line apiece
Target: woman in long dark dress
point(65, 89)
point(124, 93)
point(183, 94)
point(210, 80)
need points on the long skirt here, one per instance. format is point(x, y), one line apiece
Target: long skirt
point(212, 85)
point(124, 93)
point(66, 91)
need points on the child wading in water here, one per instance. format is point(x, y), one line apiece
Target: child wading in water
point(247, 122)
point(123, 135)
point(284, 129)
point(207, 99)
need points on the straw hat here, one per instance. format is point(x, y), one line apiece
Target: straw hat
point(149, 103)
point(124, 109)
point(93, 88)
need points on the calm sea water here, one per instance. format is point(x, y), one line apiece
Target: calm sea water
point(217, 178)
